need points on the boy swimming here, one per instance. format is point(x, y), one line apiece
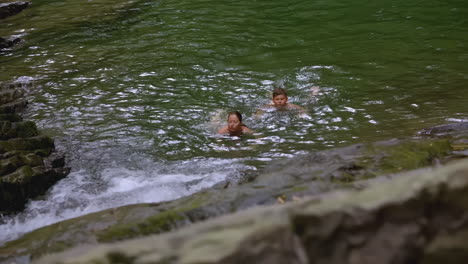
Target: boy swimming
point(279, 102)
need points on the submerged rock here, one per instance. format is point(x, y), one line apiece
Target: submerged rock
point(9, 9)
point(407, 220)
point(445, 129)
point(6, 10)
point(458, 132)
point(8, 42)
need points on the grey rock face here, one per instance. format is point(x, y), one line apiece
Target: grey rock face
point(407, 220)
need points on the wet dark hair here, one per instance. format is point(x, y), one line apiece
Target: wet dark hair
point(279, 91)
point(237, 113)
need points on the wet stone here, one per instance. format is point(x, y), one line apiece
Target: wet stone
point(29, 164)
point(9, 9)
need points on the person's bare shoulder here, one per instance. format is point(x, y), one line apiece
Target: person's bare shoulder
point(262, 109)
point(223, 130)
point(295, 106)
point(247, 130)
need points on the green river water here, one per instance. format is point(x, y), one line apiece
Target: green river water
point(134, 90)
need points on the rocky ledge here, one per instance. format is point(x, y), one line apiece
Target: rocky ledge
point(29, 163)
point(422, 218)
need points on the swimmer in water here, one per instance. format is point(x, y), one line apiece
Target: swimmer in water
point(235, 127)
point(280, 101)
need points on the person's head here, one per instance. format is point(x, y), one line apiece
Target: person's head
point(280, 97)
point(234, 121)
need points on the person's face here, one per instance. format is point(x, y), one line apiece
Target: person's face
point(280, 100)
point(233, 123)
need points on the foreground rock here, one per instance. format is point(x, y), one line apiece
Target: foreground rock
point(353, 167)
point(417, 219)
point(29, 164)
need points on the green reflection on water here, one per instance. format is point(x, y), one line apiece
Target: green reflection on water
point(152, 74)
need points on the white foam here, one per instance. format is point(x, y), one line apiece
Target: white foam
point(83, 192)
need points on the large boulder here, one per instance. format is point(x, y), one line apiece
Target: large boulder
point(422, 218)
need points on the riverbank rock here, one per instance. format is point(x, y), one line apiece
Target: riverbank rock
point(416, 219)
point(354, 168)
point(9, 9)
point(29, 164)
point(446, 129)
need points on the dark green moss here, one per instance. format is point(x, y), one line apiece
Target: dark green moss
point(10, 164)
point(158, 223)
point(119, 258)
point(53, 238)
point(27, 144)
point(413, 155)
point(28, 243)
point(20, 176)
point(151, 225)
point(405, 156)
point(297, 189)
point(11, 117)
point(25, 129)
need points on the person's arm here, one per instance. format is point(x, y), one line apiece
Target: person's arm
point(299, 108)
point(260, 111)
point(301, 111)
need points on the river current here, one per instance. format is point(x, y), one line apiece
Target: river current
point(133, 91)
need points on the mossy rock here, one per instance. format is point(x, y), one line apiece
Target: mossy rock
point(394, 157)
point(28, 144)
point(13, 107)
point(163, 221)
point(20, 176)
point(10, 130)
point(25, 183)
point(11, 117)
point(12, 163)
point(38, 152)
point(169, 218)
point(10, 95)
point(68, 233)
